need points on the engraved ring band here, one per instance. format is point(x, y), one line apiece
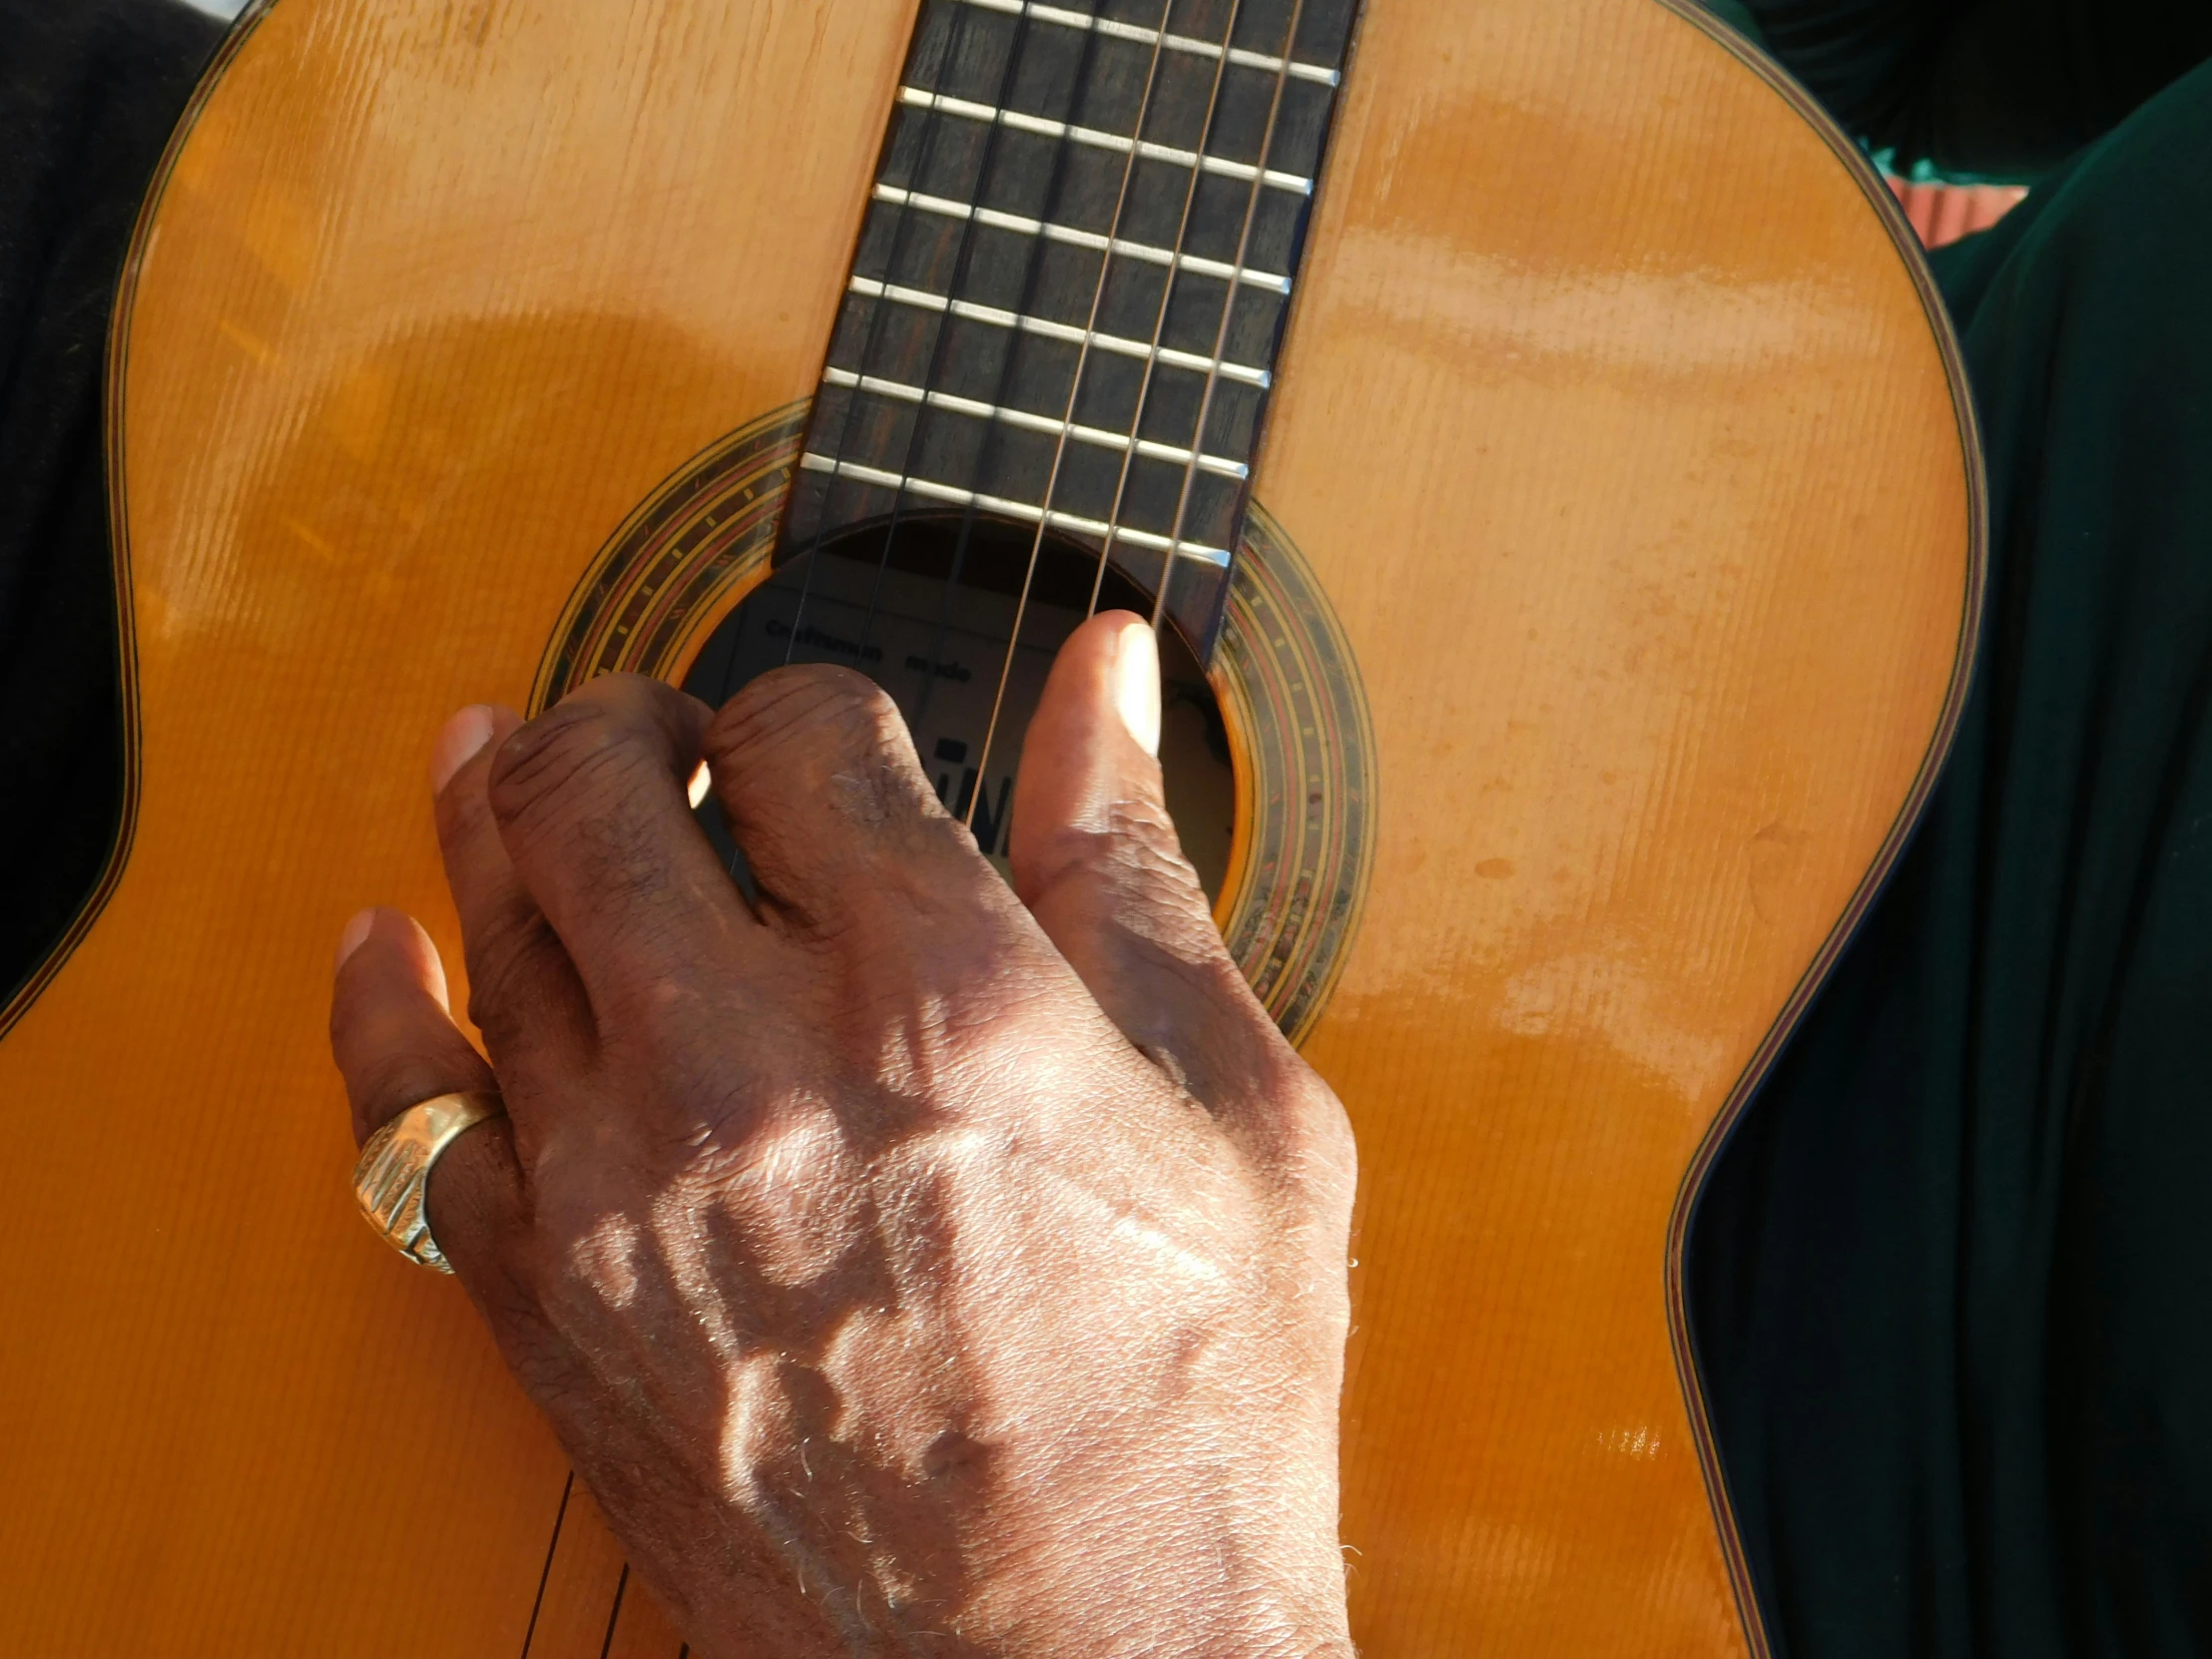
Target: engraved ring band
point(391, 1180)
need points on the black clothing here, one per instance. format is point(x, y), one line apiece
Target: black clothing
point(1952, 1282)
point(89, 90)
point(2002, 87)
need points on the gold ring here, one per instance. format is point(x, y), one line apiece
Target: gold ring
point(393, 1176)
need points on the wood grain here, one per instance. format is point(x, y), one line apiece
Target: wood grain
point(435, 292)
point(1648, 521)
point(1611, 417)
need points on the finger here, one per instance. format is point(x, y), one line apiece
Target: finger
point(590, 799)
point(818, 779)
point(523, 992)
point(1096, 860)
point(396, 1045)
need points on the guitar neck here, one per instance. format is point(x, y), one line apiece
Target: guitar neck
point(1072, 279)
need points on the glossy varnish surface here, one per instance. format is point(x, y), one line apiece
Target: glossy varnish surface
point(1645, 516)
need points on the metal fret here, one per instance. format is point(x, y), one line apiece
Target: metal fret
point(1097, 435)
point(1065, 304)
point(1273, 282)
point(1028, 512)
point(1319, 73)
point(921, 298)
point(917, 98)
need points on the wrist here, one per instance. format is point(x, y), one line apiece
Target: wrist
point(1206, 1584)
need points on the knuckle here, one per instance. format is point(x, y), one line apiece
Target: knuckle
point(817, 741)
point(1128, 864)
point(387, 1083)
point(507, 952)
point(1318, 1153)
point(569, 784)
point(1134, 842)
point(1140, 849)
point(818, 709)
point(574, 754)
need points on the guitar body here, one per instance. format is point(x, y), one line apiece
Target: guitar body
point(1620, 438)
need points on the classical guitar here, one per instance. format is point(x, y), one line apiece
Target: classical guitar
point(1550, 473)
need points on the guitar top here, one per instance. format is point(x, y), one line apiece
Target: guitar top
point(1532, 420)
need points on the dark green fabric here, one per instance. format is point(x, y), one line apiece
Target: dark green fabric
point(1984, 86)
point(1738, 16)
point(1952, 1282)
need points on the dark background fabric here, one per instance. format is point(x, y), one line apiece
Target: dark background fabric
point(1999, 87)
point(1951, 1280)
point(89, 90)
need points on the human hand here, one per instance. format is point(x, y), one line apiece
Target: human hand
point(905, 1266)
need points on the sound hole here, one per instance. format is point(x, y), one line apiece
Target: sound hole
point(887, 602)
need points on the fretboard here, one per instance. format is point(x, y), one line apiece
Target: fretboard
point(1072, 278)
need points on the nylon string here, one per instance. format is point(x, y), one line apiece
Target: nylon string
point(1001, 394)
point(1136, 419)
point(962, 17)
point(1221, 334)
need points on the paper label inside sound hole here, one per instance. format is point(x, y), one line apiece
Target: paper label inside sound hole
point(940, 649)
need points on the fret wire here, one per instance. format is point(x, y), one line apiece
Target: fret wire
point(1321, 73)
point(922, 299)
point(1196, 166)
point(1097, 435)
point(1121, 143)
point(1075, 383)
point(1027, 511)
point(905, 380)
point(945, 207)
point(1160, 320)
point(1059, 176)
point(1221, 333)
point(942, 340)
point(956, 30)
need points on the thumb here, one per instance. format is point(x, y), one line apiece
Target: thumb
point(1097, 861)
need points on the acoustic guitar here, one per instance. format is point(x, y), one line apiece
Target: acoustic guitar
point(1551, 472)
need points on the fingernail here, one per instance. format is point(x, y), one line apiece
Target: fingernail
point(701, 783)
point(463, 736)
point(1137, 684)
point(355, 935)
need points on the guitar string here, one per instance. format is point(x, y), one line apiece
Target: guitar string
point(614, 1614)
point(1144, 385)
point(545, 1573)
point(1002, 396)
point(1136, 419)
point(962, 16)
point(1221, 333)
point(1123, 187)
point(1190, 466)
